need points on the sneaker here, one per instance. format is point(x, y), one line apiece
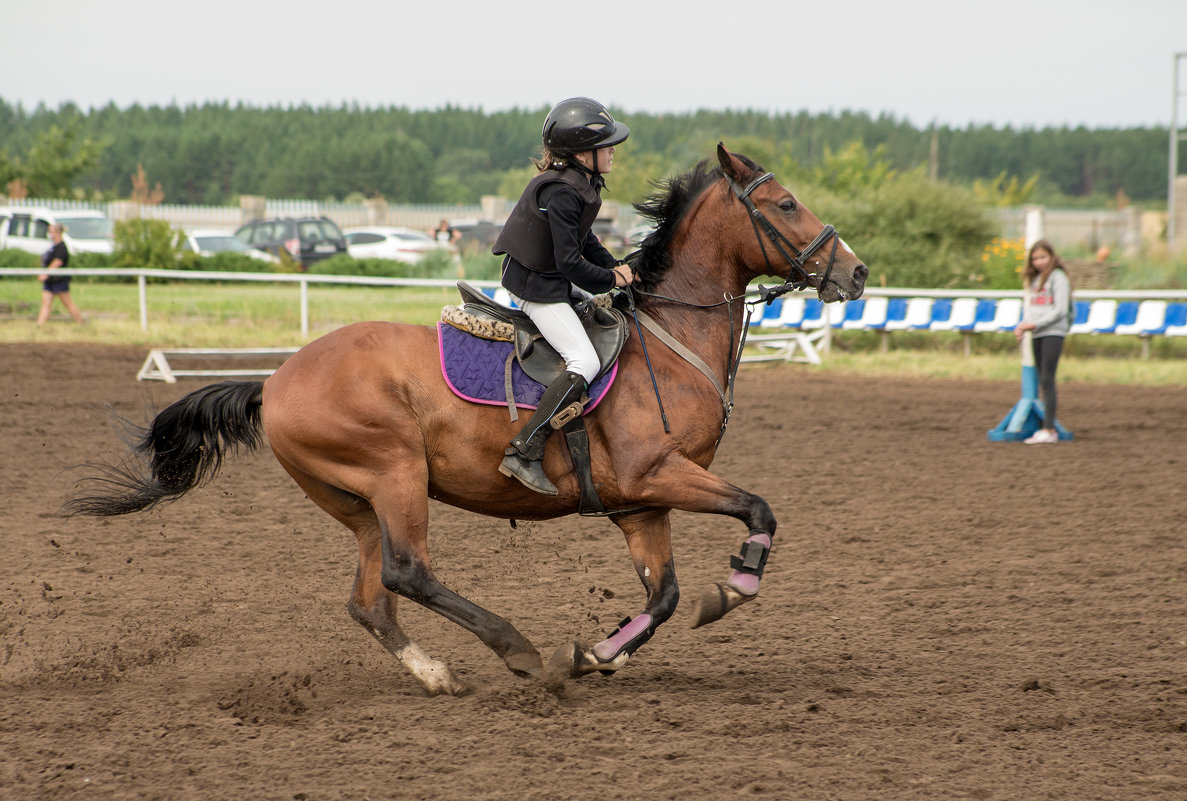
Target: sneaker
point(1043, 435)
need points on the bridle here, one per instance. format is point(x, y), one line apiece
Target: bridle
point(798, 277)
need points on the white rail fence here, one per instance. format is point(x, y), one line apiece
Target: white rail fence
point(795, 327)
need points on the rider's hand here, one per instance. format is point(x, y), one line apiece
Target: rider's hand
point(623, 275)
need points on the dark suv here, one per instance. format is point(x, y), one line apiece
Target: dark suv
point(305, 239)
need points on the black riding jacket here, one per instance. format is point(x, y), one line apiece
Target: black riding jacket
point(548, 241)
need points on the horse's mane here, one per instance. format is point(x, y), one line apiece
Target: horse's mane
point(665, 208)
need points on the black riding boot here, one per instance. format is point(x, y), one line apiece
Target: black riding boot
point(522, 459)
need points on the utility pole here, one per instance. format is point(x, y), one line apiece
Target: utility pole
point(1173, 159)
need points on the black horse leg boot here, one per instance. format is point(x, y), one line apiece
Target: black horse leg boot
point(522, 459)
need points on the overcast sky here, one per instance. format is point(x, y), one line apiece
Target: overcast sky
point(1024, 63)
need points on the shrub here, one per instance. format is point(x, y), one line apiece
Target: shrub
point(149, 244)
point(228, 262)
point(345, 265)
point(912, 232)
point(19, 259)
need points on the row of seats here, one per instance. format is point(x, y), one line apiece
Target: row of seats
point(1143, 318)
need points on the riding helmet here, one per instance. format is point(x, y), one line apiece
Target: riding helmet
point(579, 124)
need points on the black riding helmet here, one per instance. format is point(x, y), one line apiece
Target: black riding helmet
point(579, 124)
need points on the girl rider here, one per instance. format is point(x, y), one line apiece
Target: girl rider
point(552, 258)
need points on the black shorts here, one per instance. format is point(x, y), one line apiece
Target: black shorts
point(57, 285)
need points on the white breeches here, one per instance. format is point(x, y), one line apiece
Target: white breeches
point(560, 326)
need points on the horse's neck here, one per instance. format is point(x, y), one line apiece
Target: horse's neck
point(711, 333)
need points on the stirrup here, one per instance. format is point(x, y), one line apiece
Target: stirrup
point(529, 473)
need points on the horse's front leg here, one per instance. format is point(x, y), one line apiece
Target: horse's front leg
point(649, 538)
point(689, 487)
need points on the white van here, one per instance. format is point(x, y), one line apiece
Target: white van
point(84, 230)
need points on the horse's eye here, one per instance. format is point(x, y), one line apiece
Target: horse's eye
point(788, 205)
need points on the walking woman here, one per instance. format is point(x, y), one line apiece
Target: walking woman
point(552, 260)
point(1048, 316)
point(54, 285)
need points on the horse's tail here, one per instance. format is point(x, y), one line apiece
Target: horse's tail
point(181, 449)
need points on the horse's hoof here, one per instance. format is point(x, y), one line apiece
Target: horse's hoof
point(565, 663)
point(524, 663)
point(714, 602)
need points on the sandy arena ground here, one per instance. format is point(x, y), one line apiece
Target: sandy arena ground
point(942, 618)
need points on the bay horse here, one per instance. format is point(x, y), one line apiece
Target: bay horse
point(363, 421)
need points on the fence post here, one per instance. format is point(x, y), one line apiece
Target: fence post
point(252, 207)
point(304, 307)
point(376, 210)
point(142, 290)
point(124, 210)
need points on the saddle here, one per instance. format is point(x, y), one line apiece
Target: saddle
point(606, 327)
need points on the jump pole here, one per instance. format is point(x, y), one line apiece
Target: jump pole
point(1027, 415)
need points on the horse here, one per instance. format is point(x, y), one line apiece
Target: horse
point(363, 422)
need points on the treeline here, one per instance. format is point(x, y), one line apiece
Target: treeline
point(212, 153)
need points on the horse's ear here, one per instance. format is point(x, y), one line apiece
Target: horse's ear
point(732, 167)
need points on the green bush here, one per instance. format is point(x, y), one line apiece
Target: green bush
point(433, 265)
point(92, 261)
point(343, 264)
point(912, 232)
point(228, 262)
point(147, 244)
point(19, 259)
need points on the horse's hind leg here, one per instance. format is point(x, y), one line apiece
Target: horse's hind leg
point(403, 519)
point(371, 604)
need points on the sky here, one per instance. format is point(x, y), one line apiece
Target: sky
point(1022, 63)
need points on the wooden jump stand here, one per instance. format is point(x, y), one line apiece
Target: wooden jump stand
point(157, 366)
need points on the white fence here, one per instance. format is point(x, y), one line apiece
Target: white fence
point(796, 321)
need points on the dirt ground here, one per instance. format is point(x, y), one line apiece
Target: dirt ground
point(943, 617)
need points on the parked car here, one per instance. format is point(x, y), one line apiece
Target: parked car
point(208, 242)
point(476, 234)
point(306, 239)
point(609, 234)
point(382, 242)
point(84, 230)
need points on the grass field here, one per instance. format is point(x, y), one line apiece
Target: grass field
point(189, 314)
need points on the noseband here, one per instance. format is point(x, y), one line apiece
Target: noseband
point(798, 276)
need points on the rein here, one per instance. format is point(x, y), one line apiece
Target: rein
point(798, 278)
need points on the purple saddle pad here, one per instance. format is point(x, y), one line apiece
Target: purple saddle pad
point(475, 369)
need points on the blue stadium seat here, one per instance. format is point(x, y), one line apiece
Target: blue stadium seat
point(961, 318)
point(1150, 320)
point(852, 317)
point(1101, 318)
point(767, 314)
point(792, 313)
point(1006, 316)
point(872, 316)
point(941, 312)
point(1126, 314)
point(813, 309)
point(896, 313)
point(1176, 320)
point(985, 312)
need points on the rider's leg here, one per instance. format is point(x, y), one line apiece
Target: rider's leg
point(559, 325)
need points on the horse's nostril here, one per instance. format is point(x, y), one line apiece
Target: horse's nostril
point(861, 273)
